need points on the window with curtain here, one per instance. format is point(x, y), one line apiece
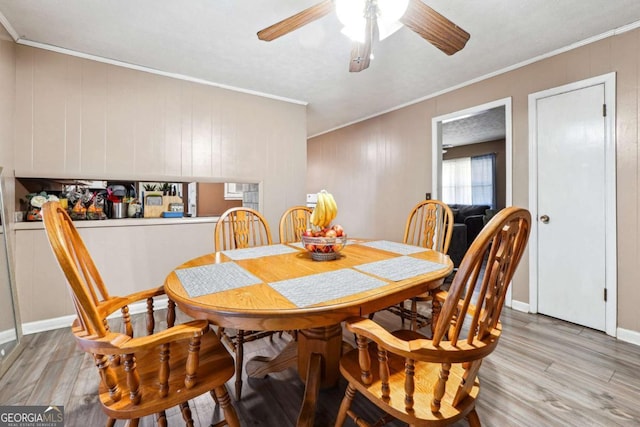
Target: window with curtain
point(470, 180)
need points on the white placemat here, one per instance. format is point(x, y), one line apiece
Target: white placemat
point(395, 247)
point(212, 278)
point(314, 289)
point(399, 268)
point(258, 252)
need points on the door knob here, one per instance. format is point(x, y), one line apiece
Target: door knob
point(544, 219)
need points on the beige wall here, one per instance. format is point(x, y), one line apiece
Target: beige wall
point(78, 118)
point(379, 168)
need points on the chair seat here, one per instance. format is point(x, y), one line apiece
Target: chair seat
point(216, 366)
point(426, 375)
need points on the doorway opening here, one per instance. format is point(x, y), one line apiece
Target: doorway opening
point(472, 132)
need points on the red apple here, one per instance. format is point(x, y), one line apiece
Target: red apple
point(331, 233)
point(308, 233)
point(338, 229)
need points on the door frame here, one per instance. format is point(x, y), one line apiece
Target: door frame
point(609, 81)
point(436, 151)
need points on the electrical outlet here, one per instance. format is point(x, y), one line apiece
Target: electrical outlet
point(427, 196)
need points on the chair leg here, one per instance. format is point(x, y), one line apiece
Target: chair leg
point(239, 357)
point(222, 397)
point(345, 405)
point(474, 420)
point(161, 419)
point(111, 422)
point(133, 423)
point(186, 414)
point(215, 398)
point(414, 315)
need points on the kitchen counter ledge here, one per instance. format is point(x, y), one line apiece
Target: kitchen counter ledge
point(124, 222)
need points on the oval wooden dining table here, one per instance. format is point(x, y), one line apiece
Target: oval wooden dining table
point(279, 287)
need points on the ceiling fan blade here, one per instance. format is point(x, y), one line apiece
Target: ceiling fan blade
point(296, 21)
point(435, 28)
point(361, 52)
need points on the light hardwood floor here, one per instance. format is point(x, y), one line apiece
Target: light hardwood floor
point(545, 372)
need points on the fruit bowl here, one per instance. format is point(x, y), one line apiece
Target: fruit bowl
point(324, 248)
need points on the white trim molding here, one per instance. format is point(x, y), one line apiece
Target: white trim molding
point(436, 151)
point(520, 306)
point(629, 336)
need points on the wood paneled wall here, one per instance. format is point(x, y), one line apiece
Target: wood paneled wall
point(78, 118)
point(378, 168)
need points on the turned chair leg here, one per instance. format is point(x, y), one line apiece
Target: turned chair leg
point(414, 315)
point(402, 308)
point(474, 420)
point(345, 405)
point(186, 414)
point(222, 397)
point(215, 398)
point(239, 359)
point(161, 419)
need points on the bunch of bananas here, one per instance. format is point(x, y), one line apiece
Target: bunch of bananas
point(325, 210)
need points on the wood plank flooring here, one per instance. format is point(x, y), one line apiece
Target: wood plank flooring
point(545, 372)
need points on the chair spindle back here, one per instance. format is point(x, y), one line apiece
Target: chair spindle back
point(430, 225)
point(239, 228)
point(293, 223)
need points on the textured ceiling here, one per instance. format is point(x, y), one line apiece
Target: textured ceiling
point(483, 127)
point(216, 41)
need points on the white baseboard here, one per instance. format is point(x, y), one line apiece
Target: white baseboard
point(8, 335)
point(628, 335)
point(66, 321)
point(520, 306)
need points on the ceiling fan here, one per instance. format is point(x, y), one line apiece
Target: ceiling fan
point(369, 20)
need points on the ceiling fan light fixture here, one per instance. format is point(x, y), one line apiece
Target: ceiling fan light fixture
point(352, 14)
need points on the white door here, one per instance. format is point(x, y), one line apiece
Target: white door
point(571, 199)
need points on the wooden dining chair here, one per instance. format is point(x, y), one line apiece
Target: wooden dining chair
point(239, 228)
point(144, 375)
point(430, 225)
point(293, 222)
point(429, 382)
